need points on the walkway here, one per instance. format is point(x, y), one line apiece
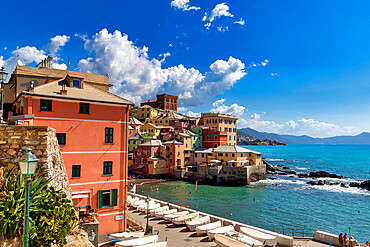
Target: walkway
point(176, 236)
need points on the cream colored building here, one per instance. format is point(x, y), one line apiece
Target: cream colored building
point(222, 122)
point(237, 156)
point(146, 111)
point(150, 129)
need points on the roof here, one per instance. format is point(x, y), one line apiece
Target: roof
point(173, 141)
point(169, 115)
point(233, 149)
point(152, 143)
point(136, 136)
point(59, 74)
point(130, 127)
point(212, 114)
point(135, 121)
point(88, 93)
point(204, 150)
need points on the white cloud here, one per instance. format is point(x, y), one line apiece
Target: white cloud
point(193, 114)
point(275, 74)
point(222, 29)
point(263, 64)
point(183, 4)
point(56, 43)
point(220, 10)
point(182, 109)
point(234, 109)
point(81, 36)
point(164, 55)
point(137, 77)
point(240, 22)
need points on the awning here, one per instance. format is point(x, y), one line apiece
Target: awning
point(80, 196)
point(139, 167)
point(215, 161)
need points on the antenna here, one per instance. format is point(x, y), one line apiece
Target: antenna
point(68, 63)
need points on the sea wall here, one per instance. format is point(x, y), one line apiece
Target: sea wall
point(14, 140)
point(228, 175)
point(282, 240)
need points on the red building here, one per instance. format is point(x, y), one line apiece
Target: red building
point(92, 131)
point(164, 102)
point(142, 153)
point(214, 138)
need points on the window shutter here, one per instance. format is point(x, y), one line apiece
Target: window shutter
point(114, 197)
point(100, 199)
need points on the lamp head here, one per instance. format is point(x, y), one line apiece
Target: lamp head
point(28, 163)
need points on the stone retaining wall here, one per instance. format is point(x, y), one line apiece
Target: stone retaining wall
point(14, 140)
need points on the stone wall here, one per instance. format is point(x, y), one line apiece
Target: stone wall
point(14, 140)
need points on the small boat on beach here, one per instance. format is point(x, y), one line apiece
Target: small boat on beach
point(132, 201)
point(202, 230)
point(192, 225)
point(226, 241)
point(160, 215)
point(138, 203)
point(138, 241)
point(161, 209)
point(171, 217)
point(127, 235)
point(221, 230)
point(261, 236)
point(144, 206)
point(180, 221)
point(128, 198)
point(248, 240)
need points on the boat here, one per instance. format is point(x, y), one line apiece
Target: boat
point(154, 206)
point(132, 201)
point(220, 230)
point(180, 221)
point(192, 225)
point(171, 217)
point(248, 240)
point(267, 239)
point(127, 235)
point(226, 241)
point(128, 198)
point(159, 244)
point(138, 241)
point(143, 207)
point(202, 230)
point(153, 211)
point(138, 203)
point(160, 215)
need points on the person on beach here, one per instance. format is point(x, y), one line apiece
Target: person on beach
point(345, 239)
point(341, 240)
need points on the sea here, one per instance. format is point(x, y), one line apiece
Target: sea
point(288, 201)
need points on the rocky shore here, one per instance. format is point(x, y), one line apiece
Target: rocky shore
point(284, 170)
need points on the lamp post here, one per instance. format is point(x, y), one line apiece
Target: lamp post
point(27, 166)
point(3, 76)
point(147, 230)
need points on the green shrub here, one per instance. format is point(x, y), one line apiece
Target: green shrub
point(52, 216)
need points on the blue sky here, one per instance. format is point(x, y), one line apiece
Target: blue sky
point(294, 67)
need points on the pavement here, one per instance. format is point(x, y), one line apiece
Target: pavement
point(176, 236)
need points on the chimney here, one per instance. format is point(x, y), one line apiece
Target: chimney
point(31, 89)
point(63, 91)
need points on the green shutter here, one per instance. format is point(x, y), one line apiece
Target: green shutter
point(114, 197)
point(100, 199)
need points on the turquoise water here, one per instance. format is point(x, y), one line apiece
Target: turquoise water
point(288, 202)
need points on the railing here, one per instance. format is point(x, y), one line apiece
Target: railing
point(299, 233)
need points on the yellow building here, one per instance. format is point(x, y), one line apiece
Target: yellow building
point(157, 165)
point(222, 122)
point(237, 156)
point(146, 111)
point(203, 155)
point(150, 129)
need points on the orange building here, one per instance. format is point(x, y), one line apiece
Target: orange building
point(214, 138)
point(92, 131)
point(174, 155)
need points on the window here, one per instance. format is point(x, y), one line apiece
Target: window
point(46, 105)
point(241, 155)
point(84, 108)
point(107, 198)
point(178, 153)
point(76, 83)
point(226, 155)
point(76, 171)
point(207, 137)
point(61, 138)
point(108, 135)
point(107, 170)
point(215, 145)
point(215, 137)
point(232, 155)
point(220, 154)
point(196, 155)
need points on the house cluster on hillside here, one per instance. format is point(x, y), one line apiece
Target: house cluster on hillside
point(98, 138)
point(165, 141)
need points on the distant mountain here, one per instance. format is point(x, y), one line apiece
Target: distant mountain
point(363, 138)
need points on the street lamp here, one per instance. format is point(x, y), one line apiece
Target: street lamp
point(3, 76)
point(27, 166)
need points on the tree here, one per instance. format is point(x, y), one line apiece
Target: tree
point(52, 217)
